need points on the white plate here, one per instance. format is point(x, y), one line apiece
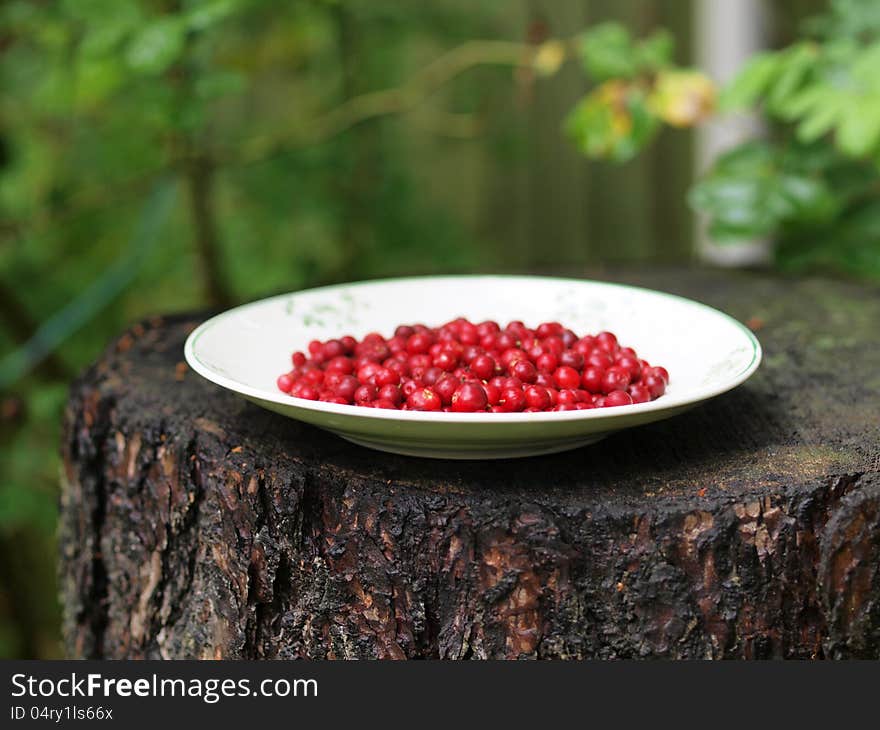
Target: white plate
point(245, 349)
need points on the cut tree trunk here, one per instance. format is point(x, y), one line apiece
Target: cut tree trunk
point(195, 524)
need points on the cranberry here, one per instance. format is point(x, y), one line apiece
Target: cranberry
point(460, 366)
point(390, 393)
point(409, 387)
point(431, 376)
point(546, 329)
point(419, 343)
point(572, 359)
point(600, 359)
point(469, 397)
point(566, 377)
point(555, 345)
point(332, 348)
point(656, 385)
point(483, 366)
point(639, 393)
point(606, 341)
point(546, 380)
point(537, 397)
point(524, 370)
point(339, 364)
point(347, 386)
point(567, 397)
point(591, 379)
point(658, 372)
point(631, 365)
point(547, 362)
point(505, 341)
point(618, 398)
point(424, 399)
point(615, 378)
point(445, 387)
point(365, 394)
point(512, 399)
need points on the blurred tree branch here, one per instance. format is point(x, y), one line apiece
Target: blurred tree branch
point(200, 181)
point(399, 100)
point(545, 58)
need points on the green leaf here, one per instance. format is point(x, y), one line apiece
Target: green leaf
point(613, 122)
point(859, 129)
point(796, 65)
point(750, 83)
point(157, 45)
point(216, 84)
point(210, 12)
point(607, 52)
point(655, 51)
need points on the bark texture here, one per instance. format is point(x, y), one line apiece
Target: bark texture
point(196, 525)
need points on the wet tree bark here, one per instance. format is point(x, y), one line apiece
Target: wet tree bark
point(197, 525)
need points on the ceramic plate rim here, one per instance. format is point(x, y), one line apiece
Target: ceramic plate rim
point(693, 396)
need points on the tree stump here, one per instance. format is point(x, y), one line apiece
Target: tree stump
point(196, 525)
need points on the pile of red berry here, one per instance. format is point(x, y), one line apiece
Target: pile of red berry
point(466, 368)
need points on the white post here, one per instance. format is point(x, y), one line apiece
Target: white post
point(727, 33)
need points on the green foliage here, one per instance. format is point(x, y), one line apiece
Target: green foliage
point(638, 90)
point(110, 112)
point(815, 188)
point(608, 51)
point(613, 122)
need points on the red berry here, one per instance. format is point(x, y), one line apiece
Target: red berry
point(572, 359)
point(639, 393)
point(424, 399)
point(618, 398)
point(659, 372)
point(483, 366)
point(599, 359)
point(615, 378)
point(547, 362)
point(409, 387)
point(347, 386)
point(460, 366)
point(606, 341)
point(567, 397)
point(631, 365)
point(524, 370)
point(512, 399)
point(656, 385)
point(537, 397)
point(365, 394)
point(419, 343)
point(332, 348)
point(469, 397)
point(445, 388)
point(390, 393)
point(566, 377)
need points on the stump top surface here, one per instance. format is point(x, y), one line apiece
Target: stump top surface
point(809, 413)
